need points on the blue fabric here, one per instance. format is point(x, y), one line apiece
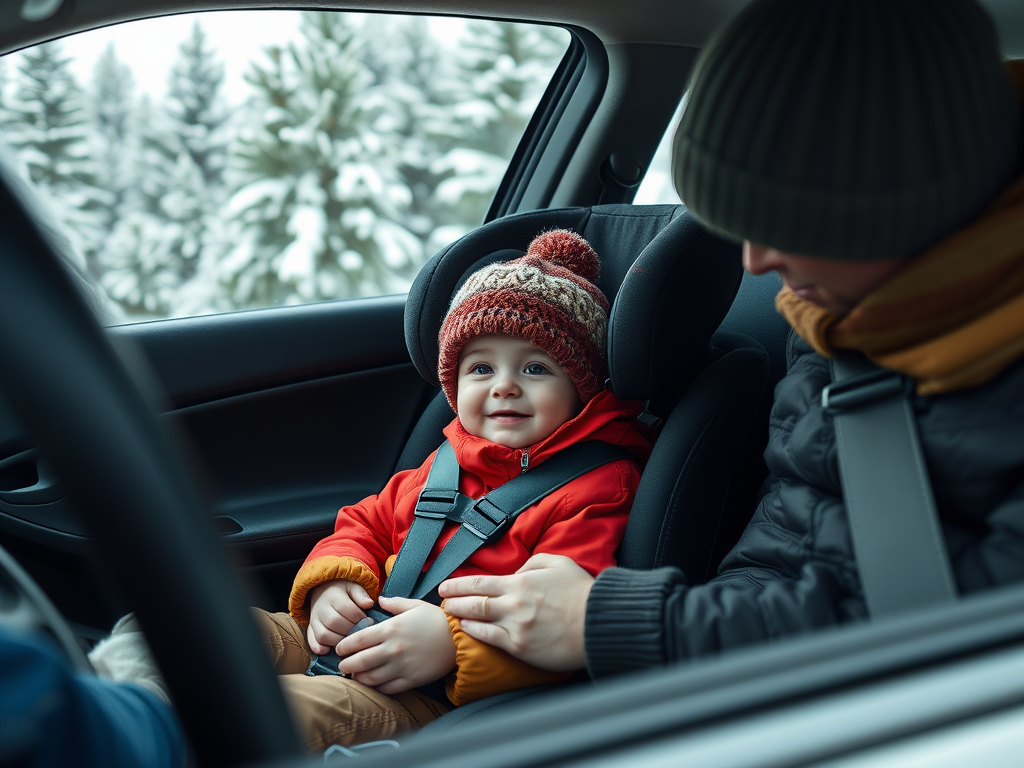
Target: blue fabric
point(50, 716)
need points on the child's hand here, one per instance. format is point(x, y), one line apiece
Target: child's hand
point(335, 608)
point(412, 648)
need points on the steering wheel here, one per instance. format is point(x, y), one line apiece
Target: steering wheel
point(73, 394)
point(24, 606)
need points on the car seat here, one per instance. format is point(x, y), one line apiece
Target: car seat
point(670, 283)
point(689, 332)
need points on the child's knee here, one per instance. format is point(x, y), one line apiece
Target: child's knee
point(285, 641)
point(331, 710)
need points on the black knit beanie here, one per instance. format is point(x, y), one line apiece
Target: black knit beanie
point(848, 129)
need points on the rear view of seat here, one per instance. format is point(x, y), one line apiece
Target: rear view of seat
point(670, 283)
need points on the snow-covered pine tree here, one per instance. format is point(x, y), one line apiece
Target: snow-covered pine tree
point(48, 127)
point(320, 213)
point(193, 143)
point(164, 253)
point(198, 108)
point(412, 69)
point(141, 273)
point(112, 104)
point(137, 275)
point(3, 90)
point(502, 71)
point(5, 117)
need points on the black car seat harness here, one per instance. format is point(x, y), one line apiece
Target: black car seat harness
point(481, 521)
point(897, 541)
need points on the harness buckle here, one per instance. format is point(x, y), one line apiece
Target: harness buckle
point(841, 396)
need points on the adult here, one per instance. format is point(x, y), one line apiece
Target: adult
point(869, 151)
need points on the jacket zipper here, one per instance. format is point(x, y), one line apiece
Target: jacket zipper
point(524, 461)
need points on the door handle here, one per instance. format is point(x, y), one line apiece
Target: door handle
point(27, 479)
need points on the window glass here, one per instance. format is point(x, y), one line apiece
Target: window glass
point(656, 187)
point(212, 162)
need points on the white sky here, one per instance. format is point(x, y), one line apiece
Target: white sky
point(150, 47)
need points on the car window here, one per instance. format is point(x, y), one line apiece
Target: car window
point(220, 161)
point(656, 187)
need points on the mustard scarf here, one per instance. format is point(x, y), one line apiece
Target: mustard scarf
point(952, 317)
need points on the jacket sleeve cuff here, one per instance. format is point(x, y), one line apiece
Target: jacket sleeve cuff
point(625, 628)
point(322, 569)
point(483, 670)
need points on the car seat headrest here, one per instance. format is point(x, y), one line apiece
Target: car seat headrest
point(671, 301)
point(676, 280)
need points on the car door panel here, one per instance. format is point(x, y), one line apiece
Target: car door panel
point(286, 414)
point(282, 461)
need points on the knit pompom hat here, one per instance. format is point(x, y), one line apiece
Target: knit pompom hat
point(547, 297)
point(848, 129)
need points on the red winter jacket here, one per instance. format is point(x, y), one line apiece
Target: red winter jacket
point(583, 520)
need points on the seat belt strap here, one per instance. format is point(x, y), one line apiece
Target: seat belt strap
point(481, 520)
point(437, 501)
point(489, 517)
point(898, 544)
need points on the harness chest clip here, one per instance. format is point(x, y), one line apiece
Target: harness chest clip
point(436, 504)
point(485, 519)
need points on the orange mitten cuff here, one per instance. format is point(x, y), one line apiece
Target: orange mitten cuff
point(482, 670)
point(322, 569)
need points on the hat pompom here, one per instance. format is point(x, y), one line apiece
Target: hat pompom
point(547, 297)
point(568, 249)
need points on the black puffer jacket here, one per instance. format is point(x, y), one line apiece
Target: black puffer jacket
point(793, 569)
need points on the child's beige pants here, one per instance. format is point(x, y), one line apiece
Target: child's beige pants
point(329, 709)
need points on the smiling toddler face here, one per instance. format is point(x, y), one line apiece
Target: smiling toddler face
point(512, 392)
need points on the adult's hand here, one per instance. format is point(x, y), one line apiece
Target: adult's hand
point(537, 614)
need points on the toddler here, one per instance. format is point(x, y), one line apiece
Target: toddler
point(522, 363)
